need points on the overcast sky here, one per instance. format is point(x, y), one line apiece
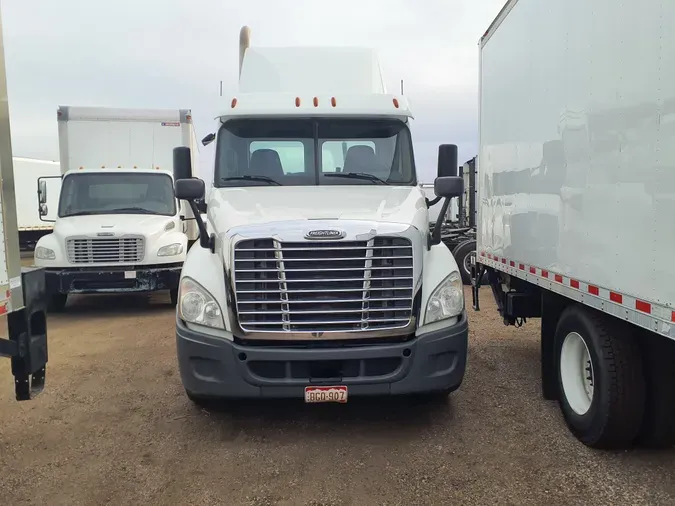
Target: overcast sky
point(173, 54)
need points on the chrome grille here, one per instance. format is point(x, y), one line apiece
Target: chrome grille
point(323, 286)
point(126, 250)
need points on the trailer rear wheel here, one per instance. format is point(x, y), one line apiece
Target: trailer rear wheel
point(658, 426)
point(602, 388)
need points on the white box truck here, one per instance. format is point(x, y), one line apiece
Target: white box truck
point(319, 278)
point(577, 201)
point(119, 227)
point(27, 171)
point(22, 289)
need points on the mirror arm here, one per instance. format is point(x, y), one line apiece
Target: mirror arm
point(436, 234)
point(432, 202)
point(205, 241)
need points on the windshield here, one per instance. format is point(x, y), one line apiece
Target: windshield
point(307, 152)
point(117, 193)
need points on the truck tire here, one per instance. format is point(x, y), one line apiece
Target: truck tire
point(658, 426)
point(463, 253)
point(600, 378)
point(57, 302)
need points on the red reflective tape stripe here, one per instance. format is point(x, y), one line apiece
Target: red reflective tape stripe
point(512, 263)
point(672, 317)
point(521, 267)
point(616, 297)
point(544, 273)
point(3, 309)
point(482, 253)
point(645, 307)
point(593, 290)
point(558, 278)
point(503, 260)
point(574, 283)
point(533, 270)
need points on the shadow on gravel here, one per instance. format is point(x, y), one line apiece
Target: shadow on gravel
point(371, 418)
point(95, 305)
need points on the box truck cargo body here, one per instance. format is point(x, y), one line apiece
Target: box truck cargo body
point(118, 225)
point(27, 171)
point(576, 204)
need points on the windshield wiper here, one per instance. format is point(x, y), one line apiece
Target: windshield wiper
point(81, 213)
point(132, 210)
point(264, 179)
point(357, 175)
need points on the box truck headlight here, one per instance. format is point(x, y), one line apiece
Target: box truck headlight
point(197, 305)
point(447, 300)
point(44, 253)
point(170, 250)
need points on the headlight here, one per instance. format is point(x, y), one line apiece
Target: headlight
point(170, 250)
point(197, 305)
point(447, 300)
point(44, 253)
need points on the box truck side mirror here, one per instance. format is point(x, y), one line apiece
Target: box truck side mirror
point(208, 139)
point(44, 210)
point(449, 186)
point(447, 160)
point(191, 189)
point(42, 191)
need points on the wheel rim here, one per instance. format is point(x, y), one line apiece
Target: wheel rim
point(576, 373)
point(467, 261)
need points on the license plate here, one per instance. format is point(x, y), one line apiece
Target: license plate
point(326, 394)
point(129, 274)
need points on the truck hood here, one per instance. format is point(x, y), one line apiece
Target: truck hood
point(117, 224)
point(233, 207)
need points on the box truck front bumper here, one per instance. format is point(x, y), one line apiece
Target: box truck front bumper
point(113, 279)
point(213, 367)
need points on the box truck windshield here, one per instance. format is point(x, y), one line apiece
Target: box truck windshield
point(115, 193)
point(314, 152)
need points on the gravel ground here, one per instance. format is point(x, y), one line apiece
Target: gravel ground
point(114, 427)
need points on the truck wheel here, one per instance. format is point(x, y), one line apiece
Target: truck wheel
point(173, 293)
point(602, 388)
point(463, 253)
point(57, 302)
point(658, 426)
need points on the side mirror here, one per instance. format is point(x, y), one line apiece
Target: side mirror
point(208, 139)
point(449, 186)
point(44, 210)
point(190, 189)
point(182, 163)
point(447, 160)
point(42, 192)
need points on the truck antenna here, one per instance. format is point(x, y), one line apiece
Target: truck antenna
point(221, 88)
point(401, 86)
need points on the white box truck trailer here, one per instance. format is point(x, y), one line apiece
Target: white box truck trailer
point(319, 278)
point(22, 289)
point(577, 199)
point(27, 171)
point(119, 227)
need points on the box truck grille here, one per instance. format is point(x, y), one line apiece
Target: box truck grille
point(323, 287)
point(105, 250)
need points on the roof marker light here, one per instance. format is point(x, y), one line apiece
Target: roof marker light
point(333, 102)
point(395, 103)
point(297, 101)
point(316, 102)
point(234, 103)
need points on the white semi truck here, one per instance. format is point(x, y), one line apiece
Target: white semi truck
point(119, 227)
point(27, 172)
point(319, 278)
point(22, 289)
point(577, 200)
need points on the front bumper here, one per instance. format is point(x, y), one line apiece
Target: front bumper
point(146, 278)
point(219, 368)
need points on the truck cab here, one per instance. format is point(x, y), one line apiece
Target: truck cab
point(316, 274)
point(118, 229)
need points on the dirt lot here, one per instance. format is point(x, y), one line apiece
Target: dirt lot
point(114, 426)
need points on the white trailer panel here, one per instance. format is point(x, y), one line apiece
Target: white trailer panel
point(577, 160)
point(26, 174)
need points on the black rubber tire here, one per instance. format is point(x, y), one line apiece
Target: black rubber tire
point(658, 425)
point(614, 418)
point(460, 252)
point(57, 302)
point(173, 294)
